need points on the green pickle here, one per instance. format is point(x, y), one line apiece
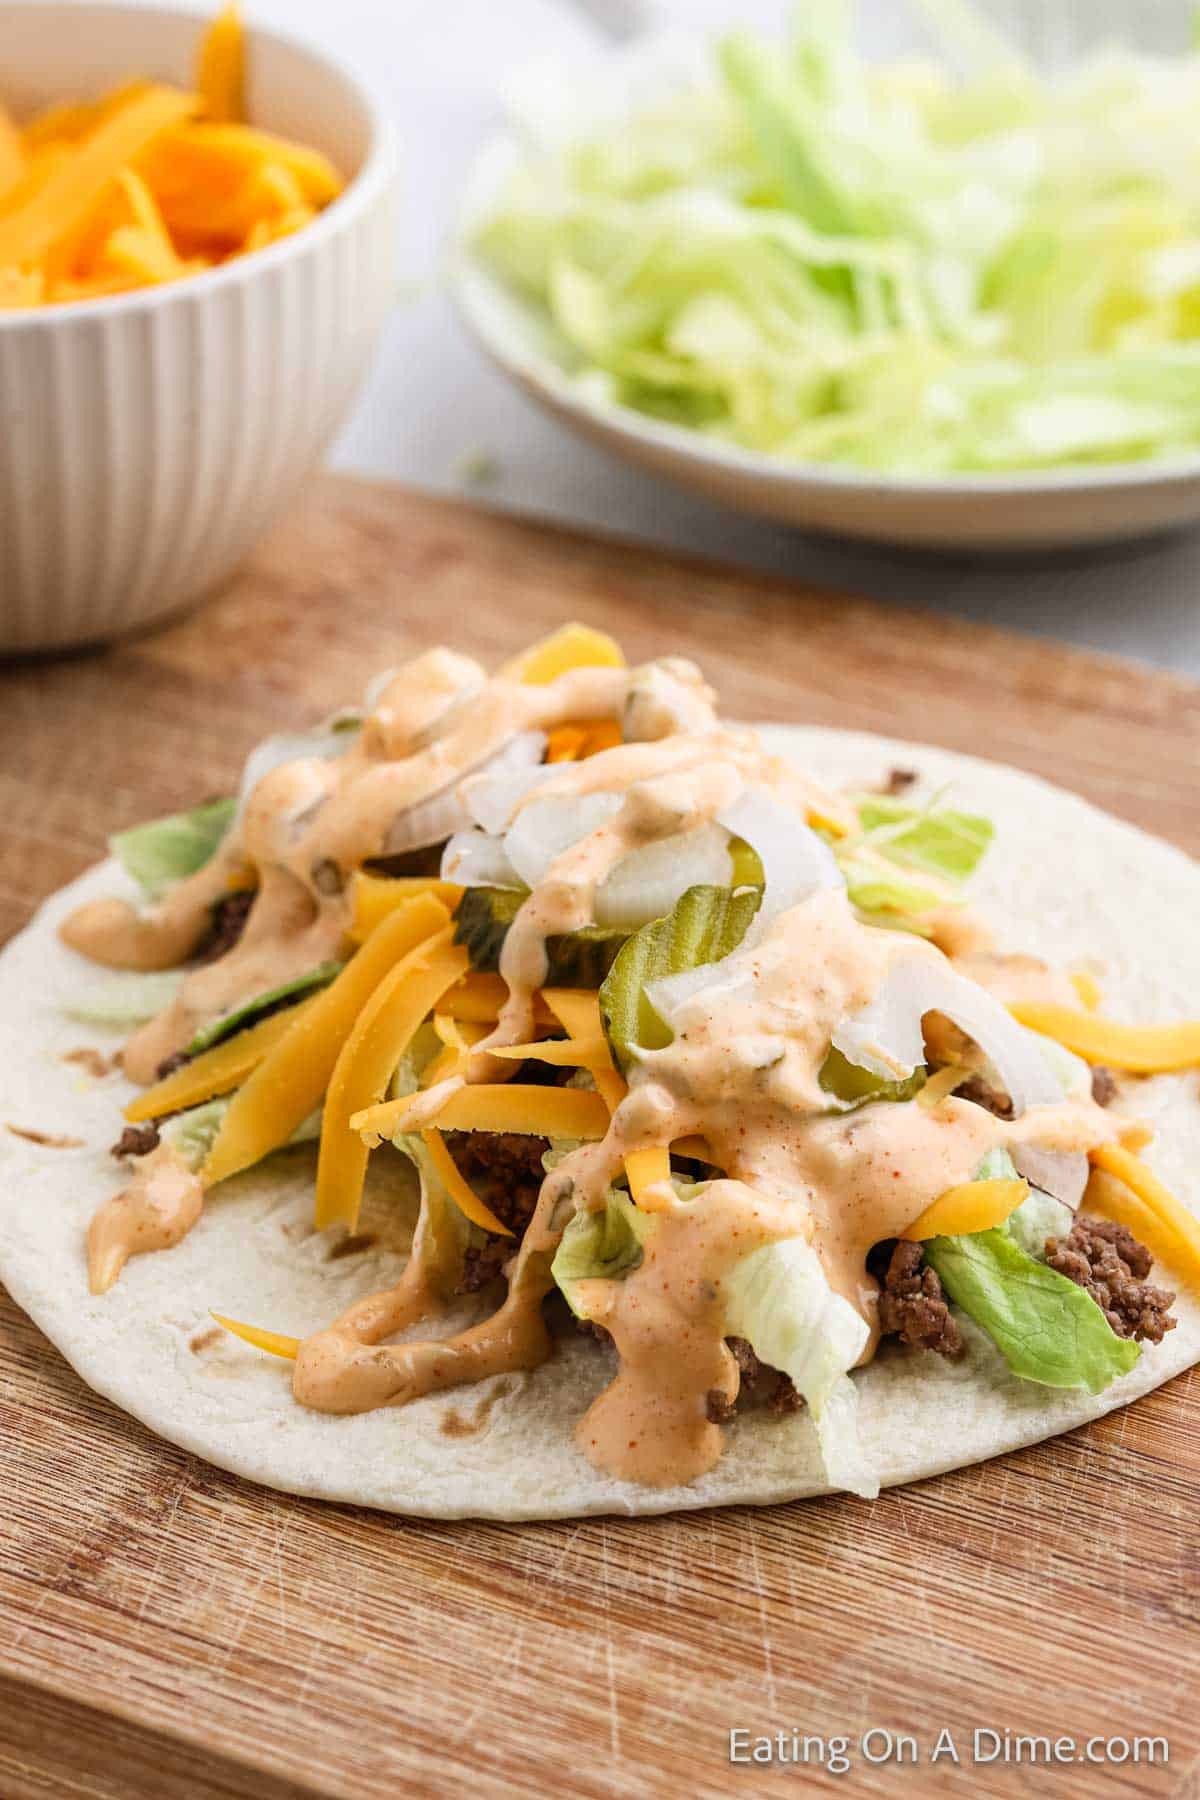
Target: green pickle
point(575, 959)
point(705, 926)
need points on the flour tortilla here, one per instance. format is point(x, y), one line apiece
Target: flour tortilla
point(1062, 881)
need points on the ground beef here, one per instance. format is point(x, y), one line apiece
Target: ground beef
point(228, 923)
point(136, 1140)
point(1106, 1260)
point(912, 1306)
point(981, 1091)
point(760, 1386)
point(505, 1170)
point(1104, 1086)
point(169, 1064)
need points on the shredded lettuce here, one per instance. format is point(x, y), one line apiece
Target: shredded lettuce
point(915, 841)
point(288, 992)
point(124, 1000)
point(1047, 1329)
point(935, 840)
point(194, 1132)
point(705, 926)
point(600, 1246)
point(893, 267)
point(780, 1300)
point(164, 851)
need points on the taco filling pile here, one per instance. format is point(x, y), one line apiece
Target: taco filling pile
point(689, 1055)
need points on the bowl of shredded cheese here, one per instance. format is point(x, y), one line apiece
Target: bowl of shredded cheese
point(196, 257)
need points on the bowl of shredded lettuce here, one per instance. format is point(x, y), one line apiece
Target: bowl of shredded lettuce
point(950, 298)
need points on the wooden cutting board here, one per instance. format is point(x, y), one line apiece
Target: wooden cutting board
point(168, 1631)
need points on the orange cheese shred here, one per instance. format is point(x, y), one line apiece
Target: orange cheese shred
point(65, 199)
point(274, 1342)
point(1166, 1225)
point(458, 1187)
point(498, 1107)
point(291, 1081)
point(970, 1207)
point(221, 68)
point(1139, 1049)
point(215, 1071)
point(12, 154)
point(368, 1060)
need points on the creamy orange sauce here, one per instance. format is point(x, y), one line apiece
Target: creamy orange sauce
point(155, 1212)
point(667, 1319)
point(310, 823)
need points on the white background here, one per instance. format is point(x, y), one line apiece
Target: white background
point(433, 406)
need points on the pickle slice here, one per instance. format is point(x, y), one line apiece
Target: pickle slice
point(576, 959)
point(705, 926)
point(252, 1011)
point(857, 1087)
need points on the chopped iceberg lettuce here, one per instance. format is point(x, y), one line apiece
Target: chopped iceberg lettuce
point(124, 1000)
point(936, 840)
point(1047, 1329)
point(780, 1300)
point(600, 1246)
point(273, 999)
point(194, 1132)
point(164, 851)
point(811, 255)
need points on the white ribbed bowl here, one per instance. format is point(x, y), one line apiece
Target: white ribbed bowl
point(147, 440)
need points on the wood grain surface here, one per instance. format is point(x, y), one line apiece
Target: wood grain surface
point(168, 1631)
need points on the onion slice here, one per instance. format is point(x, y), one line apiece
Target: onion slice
point(322, 745)
point(1063, 1174)
point(796, 862)
point(493, 795)
point(545, 828)
point(476, 859)
point(442, 814)
point(648, 882)
point(886, 1038)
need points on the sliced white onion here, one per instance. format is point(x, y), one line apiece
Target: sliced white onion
point(646, 884)
point(476, 859)
point(494, 794)
point(1063, 1174)
point(666, 697)
point(378, 686)
point(796, 862)
point(287, 747)
point(545, 828)
point(671, 994)
point(439, 817)
point(430, 822)
point(886, 1039)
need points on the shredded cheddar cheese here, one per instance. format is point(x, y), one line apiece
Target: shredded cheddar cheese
point(291, 1081)
point(273, 1342)
point(221, 69)
point(216, 1071)
point(1139, 1049)
point(373, 897)
point(148, 184)
point(378, 1040)
point(972, 1206)
point(1158, 1218)
point(572, 647)
point(490, 1106)
point(458, 1187)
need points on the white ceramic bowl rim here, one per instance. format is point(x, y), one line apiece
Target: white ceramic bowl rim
point(377, 168)
point(486, 306)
